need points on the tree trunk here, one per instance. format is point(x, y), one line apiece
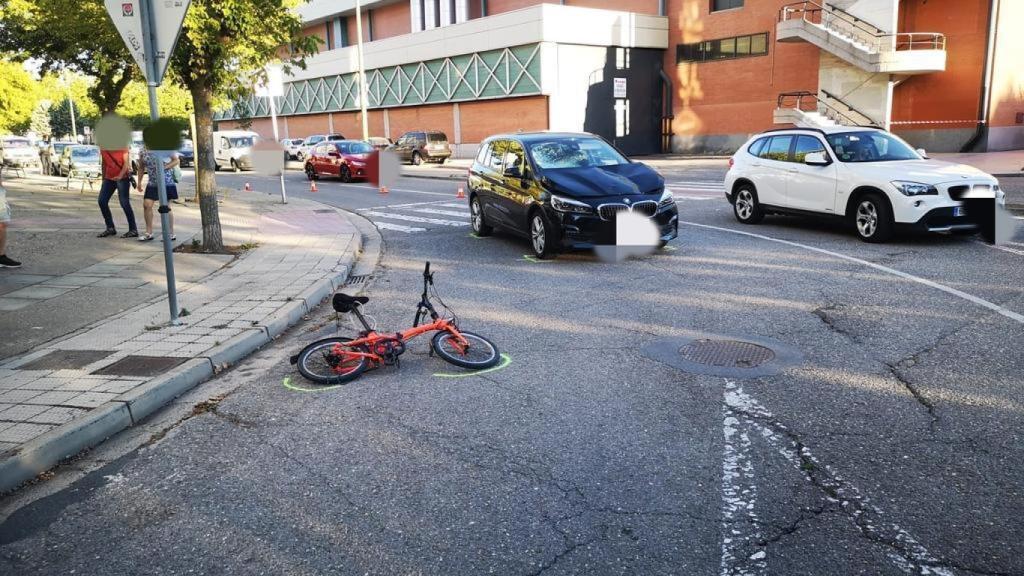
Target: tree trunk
point(206, 180)
point(107, 90)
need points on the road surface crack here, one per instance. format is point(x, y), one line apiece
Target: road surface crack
point(915, 393)
point(825, 314)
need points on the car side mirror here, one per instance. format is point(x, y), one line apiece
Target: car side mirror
point(922, 153)
point(816, 159)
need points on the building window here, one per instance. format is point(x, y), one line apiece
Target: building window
point(723, 49)
point(437, 13)
point(423, 15)
point(717, 5)
point(451, 11)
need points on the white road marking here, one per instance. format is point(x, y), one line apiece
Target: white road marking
point(398, 227)
point(440, 212)
point(953, 291)
point(405, 190)
point(455, 205)
point(906, 552)
point(688, 197)
point(434, 202)
point(740, 531)
point(419, 219)
point(696, 184)
point(1003, 248)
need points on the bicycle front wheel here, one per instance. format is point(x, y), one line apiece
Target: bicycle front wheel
point(325, 362)
point(481, 352)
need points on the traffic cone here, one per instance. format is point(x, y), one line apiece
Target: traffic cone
point(312, 185)
point(383, 190)
point(461, 194)
point(248, 188)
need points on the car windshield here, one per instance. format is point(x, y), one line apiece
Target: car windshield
point(360, 148)
point(85, 153)
point(574, 153)
point(60, 146)
point(241, 141)
point(16, 144)
point(313, 140)
point(870, 146)
point(436, 138)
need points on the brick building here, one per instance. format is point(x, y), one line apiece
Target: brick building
point(661, 75)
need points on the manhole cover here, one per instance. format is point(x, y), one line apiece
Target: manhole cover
point(66, 360)
point(140, 366)
point(726, 353)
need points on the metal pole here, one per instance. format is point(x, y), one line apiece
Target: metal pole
point(154, 114)
point(273, 117)
point(362, 70)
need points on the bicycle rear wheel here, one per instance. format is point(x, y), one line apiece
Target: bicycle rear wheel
point(324, 363)
point(481, 352)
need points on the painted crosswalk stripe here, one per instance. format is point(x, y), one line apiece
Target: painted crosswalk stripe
point(439, 212)
point(398, 227)
point(710, 185)
point(419, 219)
point(453, 205)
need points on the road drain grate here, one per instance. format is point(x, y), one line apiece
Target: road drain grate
point(66, 360)
point(357, 279)
point(144, 366)
point(726, 353)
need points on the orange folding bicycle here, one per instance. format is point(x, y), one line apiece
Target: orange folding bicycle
point(337, 360)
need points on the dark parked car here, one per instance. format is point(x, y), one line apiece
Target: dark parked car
point(380, 143)
point(563, 191)
point(421, 146)
point(186, 154)
point(345, 159)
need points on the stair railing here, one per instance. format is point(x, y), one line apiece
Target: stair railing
point(845, 24)
point(839, 112)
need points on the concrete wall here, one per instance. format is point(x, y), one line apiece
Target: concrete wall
point(575, 69)
point(1007, 101)
point(868, 92)
point(935, 139)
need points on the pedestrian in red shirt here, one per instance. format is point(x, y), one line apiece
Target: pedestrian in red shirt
point(116, 176)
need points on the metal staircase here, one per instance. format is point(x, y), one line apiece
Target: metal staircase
point(822, 110)
point(860, 43)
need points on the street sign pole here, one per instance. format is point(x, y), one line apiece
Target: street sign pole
point(152, 73)
point(273, 117)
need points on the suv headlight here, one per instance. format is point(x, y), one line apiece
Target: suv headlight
point(915, 188)
point(566, 205)
point(666, 199)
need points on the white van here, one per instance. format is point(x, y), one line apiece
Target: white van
point(233, 148)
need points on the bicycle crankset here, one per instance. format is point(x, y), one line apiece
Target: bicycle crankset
point(389, 349)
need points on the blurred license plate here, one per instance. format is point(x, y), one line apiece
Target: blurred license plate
point(959, 211)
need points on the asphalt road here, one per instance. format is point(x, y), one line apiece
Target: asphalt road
point(888, 442)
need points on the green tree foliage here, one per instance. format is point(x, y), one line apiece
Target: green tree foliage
point(18, 96)
point(223, 46)
point(39, 122)
point(75, 34)
point(174, 101)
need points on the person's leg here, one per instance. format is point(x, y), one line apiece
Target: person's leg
point(3, 238)
point(106, 191)
point(147, 214)
point(5, 260)
point(123, 188)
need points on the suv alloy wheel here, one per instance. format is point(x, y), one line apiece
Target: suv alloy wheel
point(873, 219)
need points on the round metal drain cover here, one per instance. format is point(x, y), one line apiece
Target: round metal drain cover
point(726, 353)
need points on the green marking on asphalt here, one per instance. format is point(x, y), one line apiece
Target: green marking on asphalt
point(287, 382)
point(536, 260)
point(471, 235)
point(669, 248)
point(505, 361)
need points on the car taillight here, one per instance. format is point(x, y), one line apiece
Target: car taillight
point(730, 161)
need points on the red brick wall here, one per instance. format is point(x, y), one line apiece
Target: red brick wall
point(351, 125)
point(392, 20)
point(432, 117)
point(499, 6)
point(488, 117)
point(307, 125)
point(733, 96)
point(955, 93)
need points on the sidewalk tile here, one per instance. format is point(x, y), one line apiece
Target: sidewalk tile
point(80, 385)
point(57, 415)
point(90, 399)
point(46, 384)
point(6, 446)
point(117, 386)
point(53, 398)
point(39, 292)
point(21, 433)
point(22, 279)
point(120, 283)
point(18, 396)
point(71, 280)
point(21, 412)
point(12, 304)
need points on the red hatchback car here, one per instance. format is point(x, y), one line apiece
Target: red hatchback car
point(345, 159)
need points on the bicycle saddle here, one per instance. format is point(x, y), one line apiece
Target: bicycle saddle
point(346, 303)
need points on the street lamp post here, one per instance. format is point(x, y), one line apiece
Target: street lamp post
point(362, 70)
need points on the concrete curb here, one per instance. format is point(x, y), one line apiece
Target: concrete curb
point(46, 451)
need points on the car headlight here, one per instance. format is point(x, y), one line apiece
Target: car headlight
point(666, 199)
point(915, 188)
point(566, 205)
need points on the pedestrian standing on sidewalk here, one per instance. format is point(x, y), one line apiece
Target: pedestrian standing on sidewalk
point(5, 217)
point(150, 164)
point(116, 176)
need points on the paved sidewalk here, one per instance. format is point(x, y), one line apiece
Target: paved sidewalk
point(72, 392)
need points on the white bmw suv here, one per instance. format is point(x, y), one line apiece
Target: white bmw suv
point(866, 176)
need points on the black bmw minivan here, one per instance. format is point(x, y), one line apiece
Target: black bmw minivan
point(563, 190)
